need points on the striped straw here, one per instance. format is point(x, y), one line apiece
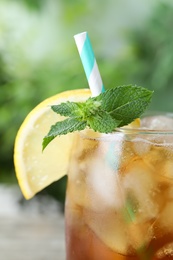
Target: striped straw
point(89, 63)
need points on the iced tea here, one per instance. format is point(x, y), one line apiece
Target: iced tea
point(119, 202)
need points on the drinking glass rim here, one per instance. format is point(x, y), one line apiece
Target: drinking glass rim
point(142, 131)
point(125, 130)
point(145, 130)
point(148, 131)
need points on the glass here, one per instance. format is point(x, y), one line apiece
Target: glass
point(119, 200)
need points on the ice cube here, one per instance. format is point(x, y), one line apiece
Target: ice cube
point(103, 186)
point(141, 146)
point(93, 184)
point(167, 170)
point(165, 218)
point(154, 158)
point(158, 122)
point(110, 229)
point(140, 187)
point(77, 187)
point(119, 235)
point(160, 160)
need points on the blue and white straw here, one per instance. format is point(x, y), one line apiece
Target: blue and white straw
point(89, 63)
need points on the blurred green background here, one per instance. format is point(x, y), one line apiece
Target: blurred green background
point(132, 40)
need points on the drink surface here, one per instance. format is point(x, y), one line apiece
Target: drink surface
point(119, 202)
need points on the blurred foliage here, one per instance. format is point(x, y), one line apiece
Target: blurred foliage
point(149, 57)
point(32, 4)
point(37, 60)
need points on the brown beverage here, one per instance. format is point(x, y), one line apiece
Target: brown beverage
point(119, 202)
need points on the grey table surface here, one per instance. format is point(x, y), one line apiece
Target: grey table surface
point(33, 231)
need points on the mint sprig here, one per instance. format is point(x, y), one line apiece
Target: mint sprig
point(114, 108)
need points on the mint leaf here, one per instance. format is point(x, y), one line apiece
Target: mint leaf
point(67, 109)
point(125, 103)
point(46, 140)
point(82, 110)
point(102, 122)
point(114, 108)
point(62, 128)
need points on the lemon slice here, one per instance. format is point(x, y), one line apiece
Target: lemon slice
point(35, 169)
point(135, 124)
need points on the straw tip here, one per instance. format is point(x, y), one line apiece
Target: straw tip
point(80, 34)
